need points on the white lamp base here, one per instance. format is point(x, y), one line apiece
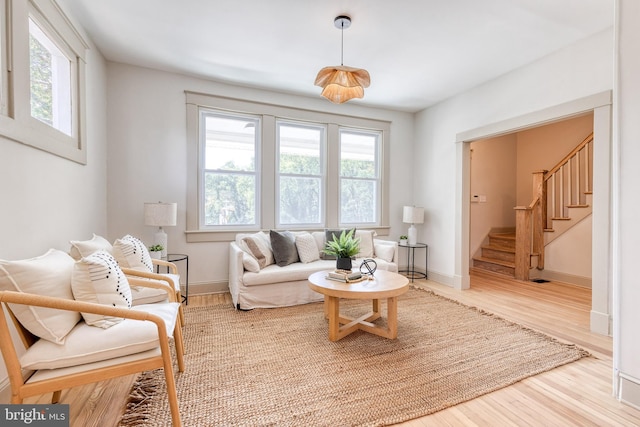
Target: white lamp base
point(413, 235)
point(160, 238)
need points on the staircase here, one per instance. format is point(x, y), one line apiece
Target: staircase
point(499, 254)
point(562, 197)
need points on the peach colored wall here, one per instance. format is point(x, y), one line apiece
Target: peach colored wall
point(543, 147)
point(493, 173)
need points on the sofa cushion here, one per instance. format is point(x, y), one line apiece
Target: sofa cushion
point(283, 245)
point(307, 248)
point(366, 243)
point(82, 248)
point(97, 278)
point(297, 271)
point(250, 263)
point(258, 245)
point(384, 251)
point(130, 252)
point(48, 275)
point(86, 344)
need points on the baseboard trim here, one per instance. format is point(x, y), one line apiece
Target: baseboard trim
point(601, 323)
point(629, 390)
point(5, 391)
point(208, 288)
point(558, 276)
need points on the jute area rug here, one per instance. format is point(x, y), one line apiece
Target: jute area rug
point(276, 367)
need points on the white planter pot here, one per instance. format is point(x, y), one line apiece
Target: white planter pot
point(155, 254)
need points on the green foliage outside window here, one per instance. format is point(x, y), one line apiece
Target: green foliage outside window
point(41, 81)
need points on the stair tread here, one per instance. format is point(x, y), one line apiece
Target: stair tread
point(561, 218)
point(578, 206)
point(508, 236)
point(495, 261)
point(499, 248)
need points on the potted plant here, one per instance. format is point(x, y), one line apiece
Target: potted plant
point(155, 251)
point(343, 247)
point(403, 240)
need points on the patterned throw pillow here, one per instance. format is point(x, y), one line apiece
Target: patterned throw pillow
point(97, 278)
point(307, 248)
point(130, 252)
point(48, 275)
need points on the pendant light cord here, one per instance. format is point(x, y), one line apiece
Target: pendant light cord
point(342, 43)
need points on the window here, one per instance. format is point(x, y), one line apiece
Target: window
point(230, 177)
point(264, 166)
point(359, 176)
point(42, 104)
point(50, 80)
point(300, 173)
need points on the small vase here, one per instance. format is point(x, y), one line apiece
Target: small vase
point(343, 263)
point(155, 254)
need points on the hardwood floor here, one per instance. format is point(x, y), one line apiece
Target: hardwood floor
point(577, 394)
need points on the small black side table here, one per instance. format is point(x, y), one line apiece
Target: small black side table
point(176, 258)
point(411, 272)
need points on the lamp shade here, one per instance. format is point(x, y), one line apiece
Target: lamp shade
point(341, 83)
point(160, 214)
point(412, 215)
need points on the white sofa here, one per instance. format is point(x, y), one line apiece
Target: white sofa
point(281, 286)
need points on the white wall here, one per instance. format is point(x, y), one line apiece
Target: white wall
point(580, 70)
point(48, 200)
point(626, 205)
point(148, 157)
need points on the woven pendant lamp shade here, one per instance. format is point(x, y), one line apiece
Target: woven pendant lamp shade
point(341, 83)
point(338, 82)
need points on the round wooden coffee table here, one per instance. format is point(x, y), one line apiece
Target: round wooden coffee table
point(385, 284)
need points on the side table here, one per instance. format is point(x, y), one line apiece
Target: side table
point(175, 258)
point(411, 272)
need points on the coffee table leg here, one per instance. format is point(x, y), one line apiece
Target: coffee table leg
point(392, 317)
point(333, 307)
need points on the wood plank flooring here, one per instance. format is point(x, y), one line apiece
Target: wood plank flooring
point(577, 394)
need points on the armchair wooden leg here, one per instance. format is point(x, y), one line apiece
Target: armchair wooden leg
point(179, 343)
point(56, 396)
point(172, 394)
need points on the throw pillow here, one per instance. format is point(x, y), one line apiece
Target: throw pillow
point(366, 243)
point(250, 263)
point(47, 275)
point(258, 246)
point(130, 252)
point(328, 236)
point(82, 248)
point(384, 251)
point(307, 248)
point(283, 244)
point(97, 278)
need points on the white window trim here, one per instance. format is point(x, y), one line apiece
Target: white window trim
point(269, 112)
point(16, 122)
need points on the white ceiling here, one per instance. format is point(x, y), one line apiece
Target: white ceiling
point(418, 52)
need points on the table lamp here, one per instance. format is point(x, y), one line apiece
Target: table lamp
point(161, 215)
point(412, 215)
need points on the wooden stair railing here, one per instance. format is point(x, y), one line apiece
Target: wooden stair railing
point(554, 191)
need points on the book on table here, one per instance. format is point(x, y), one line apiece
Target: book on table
point(344, 276)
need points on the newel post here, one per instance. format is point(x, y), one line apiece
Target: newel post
point(523, 242)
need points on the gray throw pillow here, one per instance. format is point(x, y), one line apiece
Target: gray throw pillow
point(283, 245)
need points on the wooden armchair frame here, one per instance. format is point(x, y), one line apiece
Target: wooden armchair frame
point(20, 389)
point(173, 269)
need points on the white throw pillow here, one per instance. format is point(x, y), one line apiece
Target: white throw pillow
point(97, 278)
point(82, 248)
point(250, 263)
point(130, 252)
point(307, 248)
point(384, 252)
point(366, 243)
point(47, 275)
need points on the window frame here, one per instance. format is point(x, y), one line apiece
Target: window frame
point(204, 111)
point(377, 179)
point(322, 175)
point(269, 114)
point(16, 122)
